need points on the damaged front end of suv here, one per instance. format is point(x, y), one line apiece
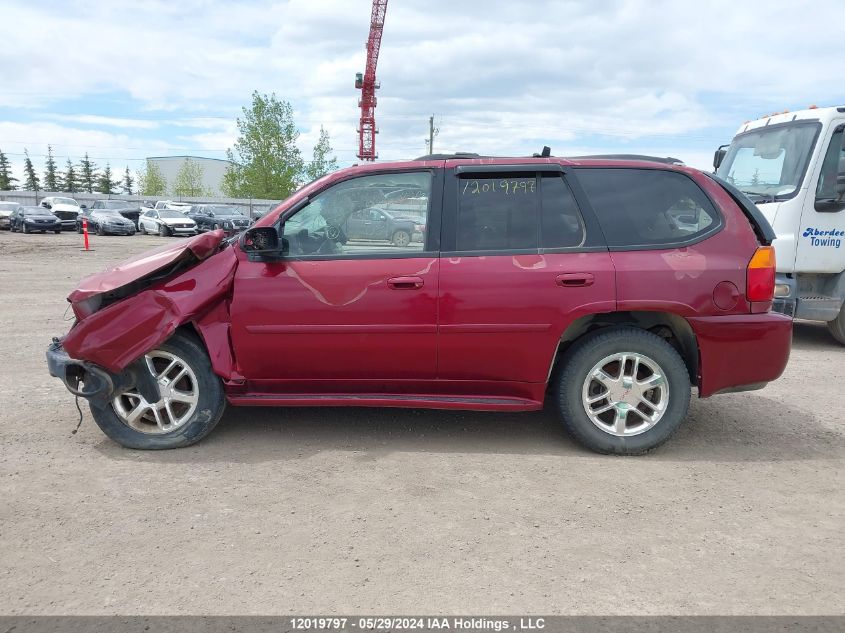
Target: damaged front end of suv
point(123, 313)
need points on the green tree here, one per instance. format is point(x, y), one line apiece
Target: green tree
point(7, 180)
point(188, 181)
point(105, 184)
point(321, 164)
point(69, 179)
point(87, 174)
point(127, 182)
point(265, 162)
point(151, 182)
point(31, 181)
point(51, 179)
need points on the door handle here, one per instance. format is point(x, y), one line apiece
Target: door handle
point(405, 283)
point(575, 280)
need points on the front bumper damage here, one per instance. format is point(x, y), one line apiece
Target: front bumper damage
point(87, 380)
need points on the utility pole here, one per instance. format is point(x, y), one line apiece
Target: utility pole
point(431, 134)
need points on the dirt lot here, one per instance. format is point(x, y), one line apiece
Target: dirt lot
point(382, 511)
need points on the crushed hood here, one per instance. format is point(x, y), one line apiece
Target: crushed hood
point(154, 265)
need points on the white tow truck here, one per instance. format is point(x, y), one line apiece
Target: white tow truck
point(792, 166)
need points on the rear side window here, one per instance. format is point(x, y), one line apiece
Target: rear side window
point(648, 207)
point(562, 226)
point(498, 212)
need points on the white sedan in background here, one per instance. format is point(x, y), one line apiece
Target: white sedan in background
point(166, 222)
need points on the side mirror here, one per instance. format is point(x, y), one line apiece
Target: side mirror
point(46, 205)
point(719, 156)
point(262, 242)
point(83, 206)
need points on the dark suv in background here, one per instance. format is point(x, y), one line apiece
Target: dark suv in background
point(129, 210)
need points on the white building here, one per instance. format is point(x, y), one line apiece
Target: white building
point(213, 170)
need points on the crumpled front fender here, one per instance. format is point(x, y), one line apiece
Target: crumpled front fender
point(118, 334)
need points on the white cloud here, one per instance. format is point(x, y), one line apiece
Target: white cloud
point(499, 76)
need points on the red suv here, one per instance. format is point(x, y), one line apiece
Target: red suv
point(609, 286)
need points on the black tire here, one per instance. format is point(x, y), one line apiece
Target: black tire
point(57, 232)
point(79, 229)
point(401, 238)
point(837, 326)
point(25, 228)
point(100, 230)
point(578, 361)
point(162, 230)
point(210, 406)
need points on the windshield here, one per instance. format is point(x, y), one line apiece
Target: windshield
point(109, 213)
point(114, 204)
point(770, 161)
point(35, 211)
point(167, 213)
point(69, 201)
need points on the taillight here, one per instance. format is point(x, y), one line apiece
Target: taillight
point(760, 285)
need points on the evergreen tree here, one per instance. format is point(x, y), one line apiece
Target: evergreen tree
point(266, 162)
point(105, 184)
point(127, 182)
point(151, 182)
point(31, 181)
point(69, 179)
point(321, 164)
point(7, 180)
point(51, 180)
point(88, 176)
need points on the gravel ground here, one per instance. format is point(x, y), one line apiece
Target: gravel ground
point(391, 511)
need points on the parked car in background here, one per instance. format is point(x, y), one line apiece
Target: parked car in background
point(184, 207)
point(34, 220)
point(166, 222)
point(66, 209)
point(105, 222)
point(6, 210)
point(128, 210)
point(379, 225)
point(548, 279)
point(210, 217)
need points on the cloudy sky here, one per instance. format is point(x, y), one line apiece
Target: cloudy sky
point(125, 80)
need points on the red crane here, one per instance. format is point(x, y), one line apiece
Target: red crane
point(367, 84)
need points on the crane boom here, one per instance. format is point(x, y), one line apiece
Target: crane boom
point(368, 85)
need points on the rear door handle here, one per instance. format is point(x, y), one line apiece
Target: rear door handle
point(405, 283)
point(575, 280)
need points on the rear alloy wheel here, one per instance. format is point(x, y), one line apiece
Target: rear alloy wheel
point(401, 238)
point(837, 326)
point(623, 391)
point(191, 403)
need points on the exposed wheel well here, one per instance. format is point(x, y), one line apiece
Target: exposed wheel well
point(674, 329)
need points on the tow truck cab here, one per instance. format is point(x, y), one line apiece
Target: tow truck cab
point(792, 165)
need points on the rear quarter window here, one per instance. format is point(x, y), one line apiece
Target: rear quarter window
point(639, 208)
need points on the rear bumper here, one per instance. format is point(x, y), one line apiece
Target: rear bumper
point(741, 352)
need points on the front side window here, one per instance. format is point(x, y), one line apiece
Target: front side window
point(363, 216)
point(648, 207)
point(826, 187)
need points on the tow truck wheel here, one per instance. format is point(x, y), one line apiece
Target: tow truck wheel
point(837, 326)
point(191, 403)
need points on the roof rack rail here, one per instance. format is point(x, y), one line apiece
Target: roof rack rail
point(467, 155)
point(667, 160)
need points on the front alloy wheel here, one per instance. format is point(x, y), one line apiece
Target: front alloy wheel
point(179, 389)
point(191, 403)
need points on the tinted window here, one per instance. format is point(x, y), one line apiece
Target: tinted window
point(498, 212)
point(642, 207)
point(561, 222)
